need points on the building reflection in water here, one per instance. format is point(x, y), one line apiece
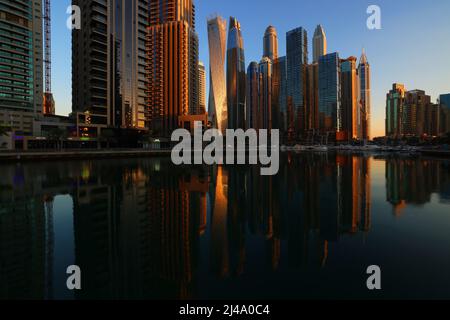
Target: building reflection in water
point(138, 224)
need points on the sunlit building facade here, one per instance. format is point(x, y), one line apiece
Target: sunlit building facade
point(350, 112)
point(236, 92)
point(172, 72)
point(270, 43)
point(201, 89)
point(217, 105)
point(365, 96)
point(319, 43)
point(395, 103)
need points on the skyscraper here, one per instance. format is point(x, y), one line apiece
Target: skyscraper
point(252, 104)
point(444, 101)
point(265, 93)
point(350, 113)
point(395, 101)
point(414, 113)
point(281, 77)
point(235, 76)
point(329, 93)
point(108, 62)
point(319, 43)
point(172, 75)
point(365, 95)
point(297, 60)
point(217, 105)
point(201, 89)
point(271, 43)
point(312, 96)
point(21, 64)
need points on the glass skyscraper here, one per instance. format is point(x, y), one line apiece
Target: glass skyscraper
point(265, 93)
point(235, 76)
point(217, 106)
point(270, 43)
point(21, 61)
point(444, 101)
point(297, 59)
point(395, 101)
point(350, 111)
point(329, 93)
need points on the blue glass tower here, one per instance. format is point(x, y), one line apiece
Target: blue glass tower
point(329, 93)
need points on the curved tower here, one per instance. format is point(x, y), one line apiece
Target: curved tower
point(271, 43)
point(319, 43)
point(217, 106)
point(235, 76)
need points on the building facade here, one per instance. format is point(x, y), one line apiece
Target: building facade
point(217, 105)
point(297, 60)
point(21, 64)
point(350, 112)
point(201, 89)
point(329, 93)
point(395, 103)
point(319, 43)
point(172, 72)
point(365, 96)
point(270, 43)
point(235, 76)
point(252, 117)
point(444, 116)
point(265, 93)
point(109, 63)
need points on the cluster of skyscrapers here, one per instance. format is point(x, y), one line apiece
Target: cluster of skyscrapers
point(135, 67)
point(413, 114)
point(328, 98)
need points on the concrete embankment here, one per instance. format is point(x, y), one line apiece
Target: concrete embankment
point(83, 154)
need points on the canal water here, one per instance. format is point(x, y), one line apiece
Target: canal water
point(146, 229)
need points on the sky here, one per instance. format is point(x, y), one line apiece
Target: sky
point(413, 46)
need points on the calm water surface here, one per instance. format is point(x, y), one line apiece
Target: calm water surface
point(145, 229)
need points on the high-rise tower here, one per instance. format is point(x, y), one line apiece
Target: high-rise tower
point(252, 104)
point(329, 93)
point(217, 105)
point(350, 113)
point(172, 73)
point(271, 43)
point(297, 60)
point(108, 62)
point(201, 89)
point(235, 76)
point(365, 96)
point(319, 43)
point(21, 63)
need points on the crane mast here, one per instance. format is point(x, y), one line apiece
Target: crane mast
point(49, 103)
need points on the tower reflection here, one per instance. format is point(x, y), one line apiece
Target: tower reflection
point(146, 229)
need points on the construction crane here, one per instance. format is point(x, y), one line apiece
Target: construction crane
point(49, 102)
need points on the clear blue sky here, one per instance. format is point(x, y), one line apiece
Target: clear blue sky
point(413, 46)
